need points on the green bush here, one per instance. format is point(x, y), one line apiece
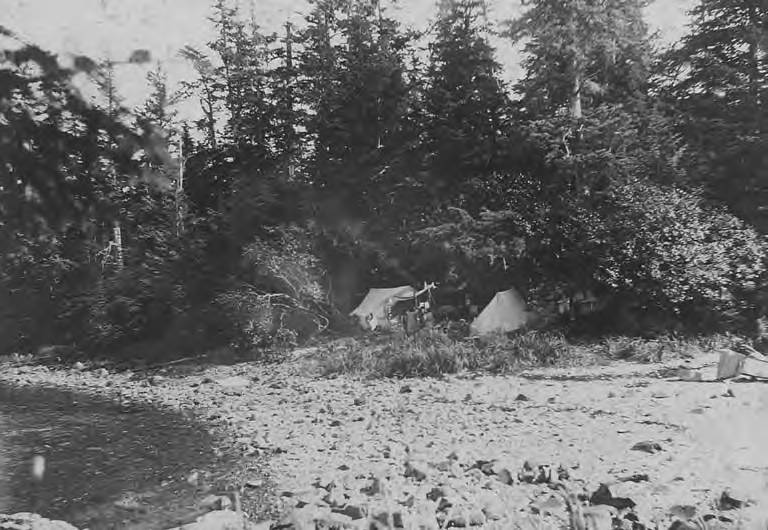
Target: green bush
point(136, 304)
point(36, 274)
point(280, 300)
point(261, 320)
point(672, 251)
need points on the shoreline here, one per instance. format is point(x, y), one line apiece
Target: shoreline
point(346, 449)
point(146, 389)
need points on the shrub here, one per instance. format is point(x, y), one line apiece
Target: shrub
point(262, 320)
point(671, 251)
point(280, 300)
point(632, 348)
point(136, 304)
point(35, 278)
point(283, 262)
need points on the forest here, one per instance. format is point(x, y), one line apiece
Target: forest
point(347, 153)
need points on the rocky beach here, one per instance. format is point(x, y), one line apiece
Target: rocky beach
point(633, 441)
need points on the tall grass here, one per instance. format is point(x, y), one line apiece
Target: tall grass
point(664, 347)
point(434, 353)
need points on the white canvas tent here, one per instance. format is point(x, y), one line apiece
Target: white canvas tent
point(505, 312)
point(372, 311)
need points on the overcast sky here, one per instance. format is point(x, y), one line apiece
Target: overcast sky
point(113, 28)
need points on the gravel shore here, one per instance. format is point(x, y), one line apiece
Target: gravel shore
point(470, 450)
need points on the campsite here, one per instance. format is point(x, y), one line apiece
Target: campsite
point(505, 312)
point(367, 264)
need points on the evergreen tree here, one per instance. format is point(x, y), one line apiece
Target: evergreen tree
point(590, 119)
point(243, 52)
point(239, 120)
point(582, 51)
point(208, 89)
point(466, 108)
point(358, 97)
point(159, 116)
point(718, 78)
point(288, 115)
point(159, 109)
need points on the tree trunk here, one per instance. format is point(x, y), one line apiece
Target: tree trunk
point(180, 193)
point(289, 125)
point(117, 229)
point(755, 77)
point(118, 235)
point(207, 103)
point(576, 95)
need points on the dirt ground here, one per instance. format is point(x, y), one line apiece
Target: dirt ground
point(450, 451)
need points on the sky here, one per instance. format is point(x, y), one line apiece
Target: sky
point(114, 28)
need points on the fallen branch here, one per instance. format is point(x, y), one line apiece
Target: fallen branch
point(177, 361)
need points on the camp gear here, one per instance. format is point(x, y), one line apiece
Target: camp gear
point(505, 312)
point(730, 364)
point(734, 364)
point(375, 309)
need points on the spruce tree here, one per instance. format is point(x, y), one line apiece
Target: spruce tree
point(466, 107)
point(718, 78)
point(582, 52)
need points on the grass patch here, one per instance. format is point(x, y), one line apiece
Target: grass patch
point(429, 354)
point(434, 353)
point(504, 354)
point(664, 347)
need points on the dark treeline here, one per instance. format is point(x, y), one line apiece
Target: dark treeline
point(345, 153)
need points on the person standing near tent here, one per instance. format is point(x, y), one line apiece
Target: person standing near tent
point(411, 321)
point(417, 316)
point(395, 315)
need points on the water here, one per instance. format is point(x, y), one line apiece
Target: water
point(96, 453)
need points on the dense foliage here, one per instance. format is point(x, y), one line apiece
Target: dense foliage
point(336, 156)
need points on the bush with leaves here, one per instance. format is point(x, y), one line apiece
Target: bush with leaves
point(280, 299)
point(36, 275)
point(676, 253)
point(138, 303)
